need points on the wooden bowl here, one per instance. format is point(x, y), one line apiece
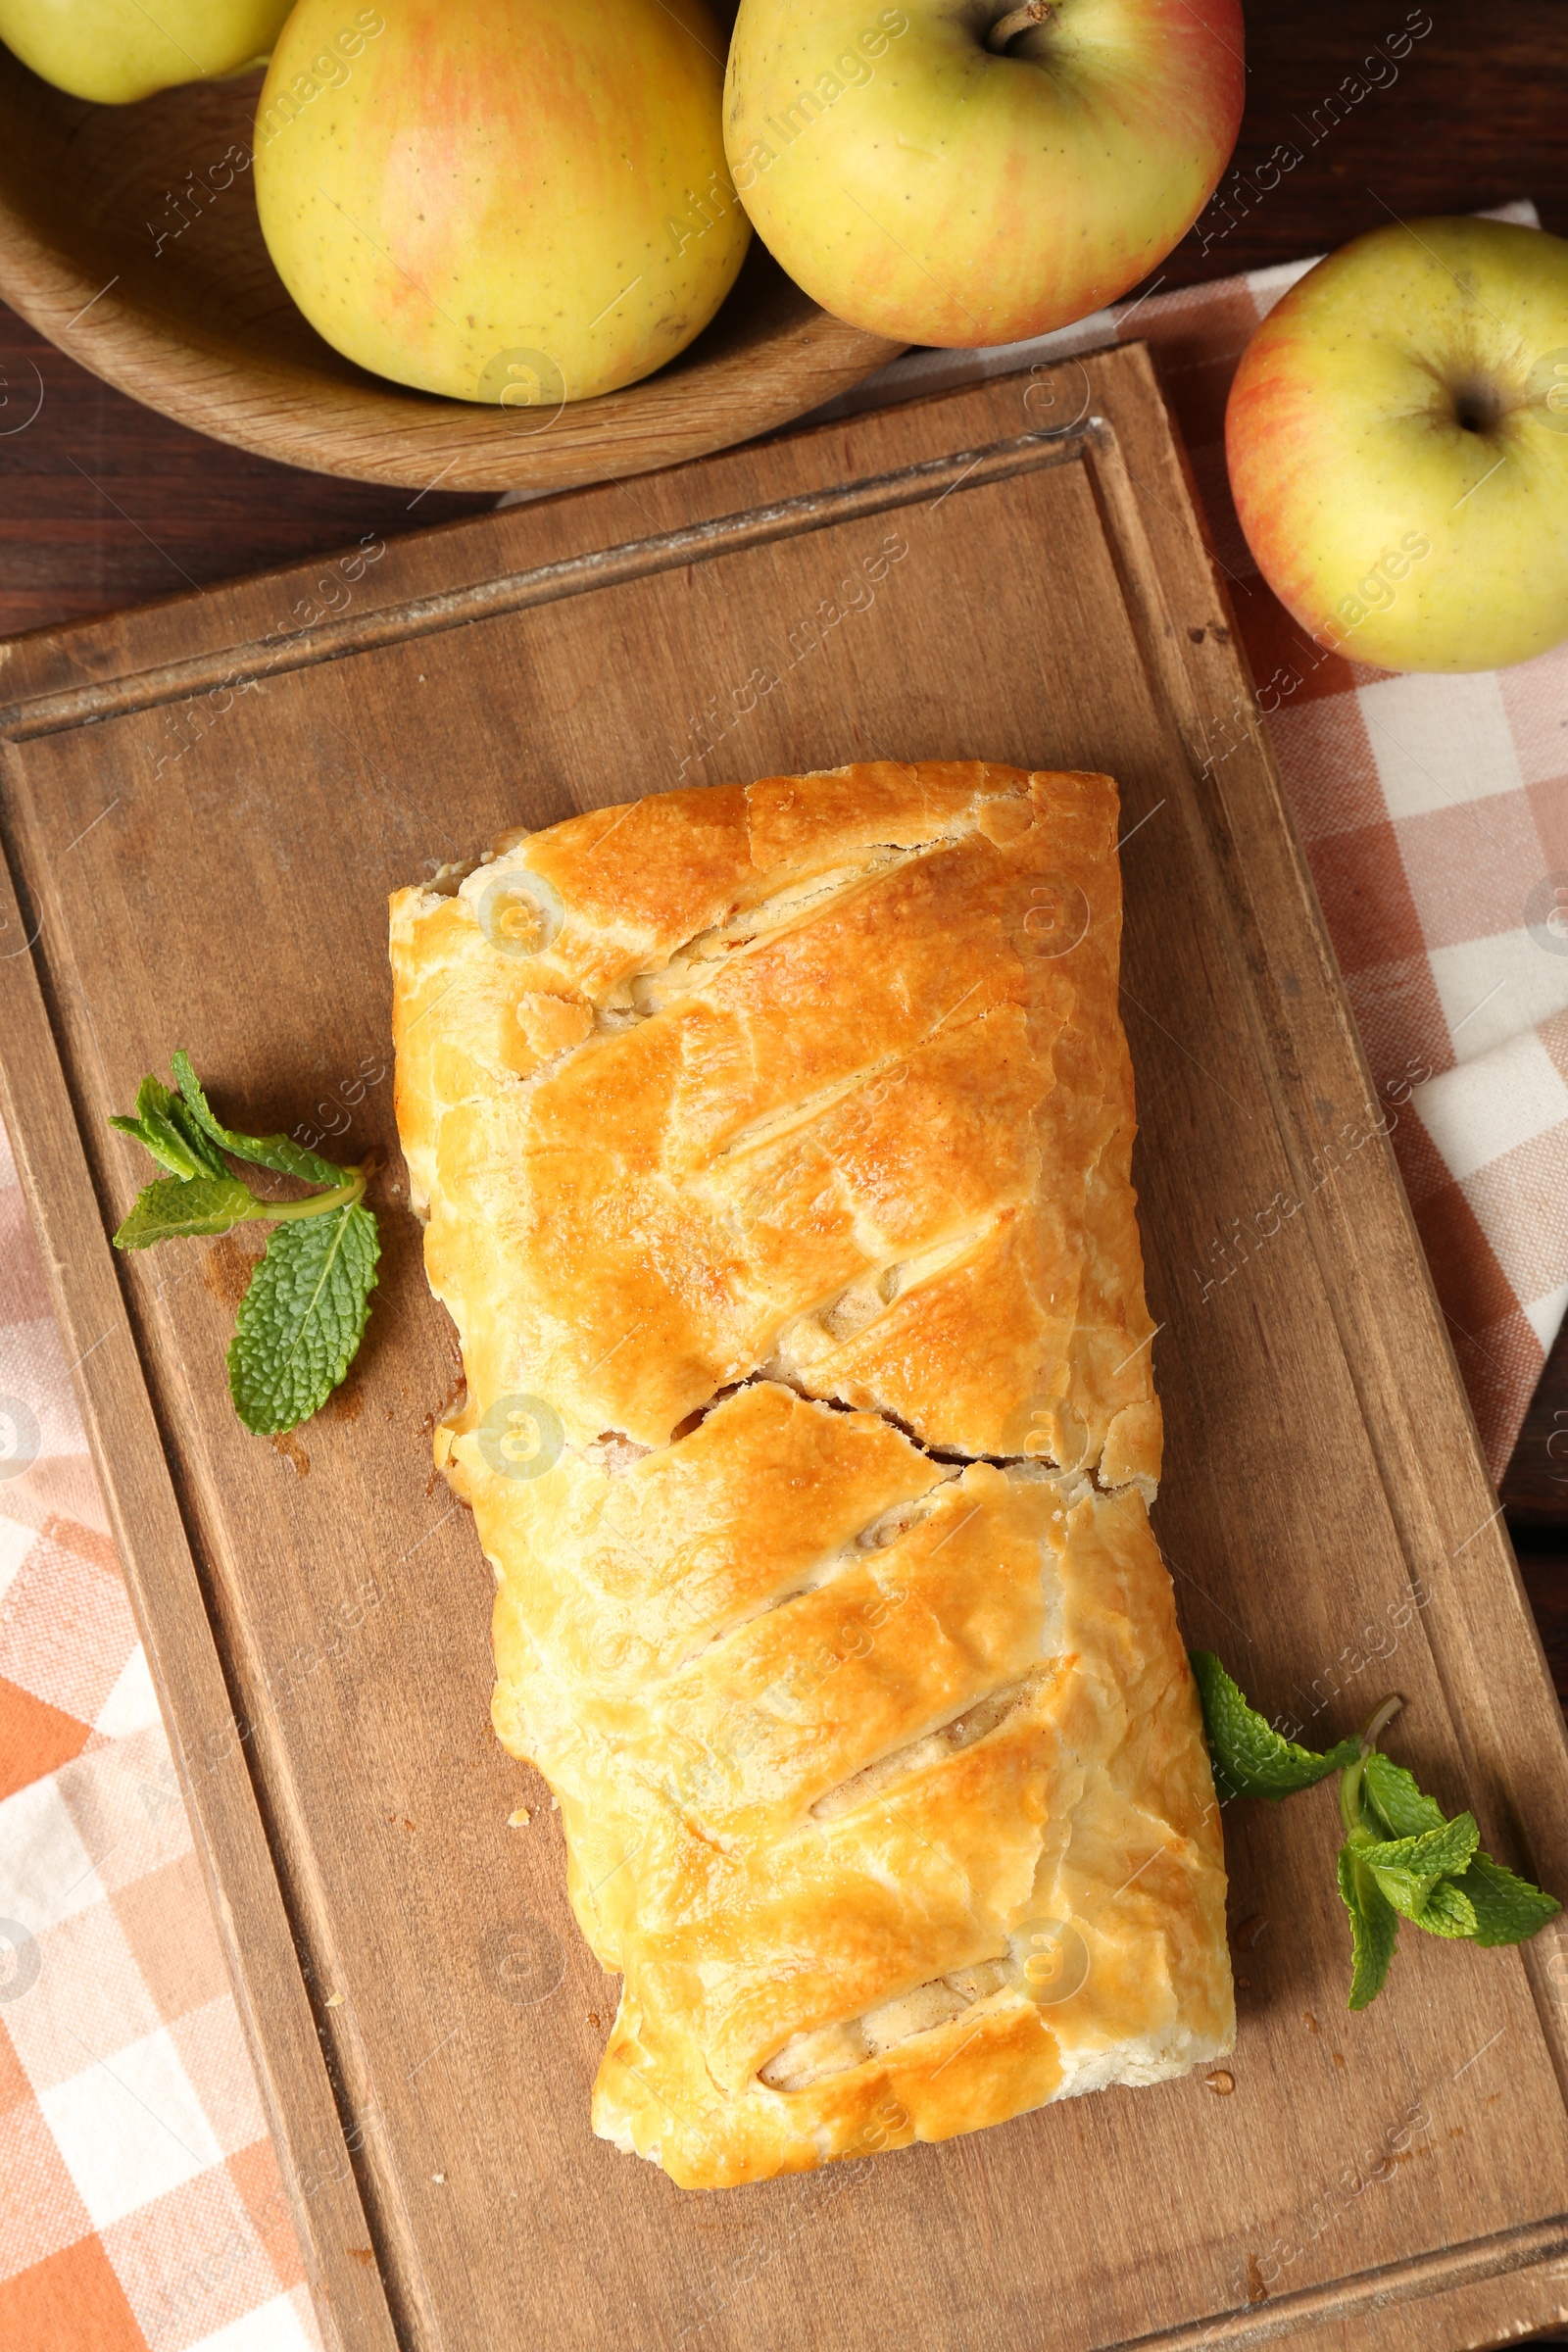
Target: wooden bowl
point(129, 236)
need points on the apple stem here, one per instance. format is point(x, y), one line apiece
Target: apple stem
point(1016, 20)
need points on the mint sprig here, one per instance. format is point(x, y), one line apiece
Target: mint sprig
point(1403, 1857)
point(304, 1313)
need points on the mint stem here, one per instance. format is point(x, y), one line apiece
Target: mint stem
point(318, 1203)
point(1351, 1777)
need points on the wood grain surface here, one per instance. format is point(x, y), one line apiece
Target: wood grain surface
point(104, 503)
point(203, 808)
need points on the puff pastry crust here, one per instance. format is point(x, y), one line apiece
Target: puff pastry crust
point(775, 1145)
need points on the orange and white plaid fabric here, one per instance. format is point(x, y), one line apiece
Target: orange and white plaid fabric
point(140, 2202)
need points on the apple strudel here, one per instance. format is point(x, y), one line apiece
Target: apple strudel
point(775, 1148)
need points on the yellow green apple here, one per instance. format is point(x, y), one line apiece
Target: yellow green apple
point(517, 201)
point(963, 172)
point(115, 50)
point(1397, 443)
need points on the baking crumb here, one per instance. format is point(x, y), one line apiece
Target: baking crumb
point(334, 2000)
point(441, 2176)
point(521, 1819)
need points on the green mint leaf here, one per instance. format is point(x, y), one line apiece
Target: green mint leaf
point(191, 1133)
point(1374, 1928)
point(1408, 1894)
point(1403, 1810)
point(299, 1324)
point(1422, 1902)
point(177, 1207)
point(1508, 1909)
point(171, 1154)
point(156, 1132)
point(1502, 1908)
point(1409, 1870)
point(167, 1140)
point(273, 1152)
point(1249, 1757)
point(162, 1136)
point(1447, 1911)
point(1439, 1854)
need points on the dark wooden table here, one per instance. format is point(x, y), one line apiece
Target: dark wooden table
point(104, 503)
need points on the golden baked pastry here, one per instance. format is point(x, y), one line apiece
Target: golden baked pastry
point(775, 1144)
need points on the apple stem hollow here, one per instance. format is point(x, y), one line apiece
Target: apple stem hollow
point(1017, 19)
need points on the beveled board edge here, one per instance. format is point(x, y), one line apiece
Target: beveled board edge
point(239, 666)
point(1500, 1694)
point(1470, 2284)
point(469, 569)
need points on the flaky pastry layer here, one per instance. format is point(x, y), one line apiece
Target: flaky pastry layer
point(777, 1147)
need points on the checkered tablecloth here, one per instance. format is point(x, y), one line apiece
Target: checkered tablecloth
point(139, 2197)
point(140, 2201)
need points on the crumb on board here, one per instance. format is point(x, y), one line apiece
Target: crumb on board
point(283, 1441)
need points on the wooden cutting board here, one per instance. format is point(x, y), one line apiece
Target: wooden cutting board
point(204, 807)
